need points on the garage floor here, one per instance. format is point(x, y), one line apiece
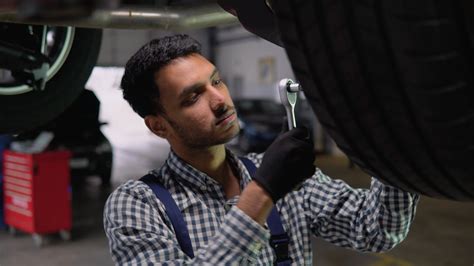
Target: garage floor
point(442, 234)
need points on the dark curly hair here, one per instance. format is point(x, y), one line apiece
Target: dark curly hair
point(138, 83)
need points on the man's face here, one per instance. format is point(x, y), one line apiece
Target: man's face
point(198, 108)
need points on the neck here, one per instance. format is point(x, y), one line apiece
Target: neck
point(209, 160)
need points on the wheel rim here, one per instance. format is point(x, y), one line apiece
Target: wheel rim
point(57, 64)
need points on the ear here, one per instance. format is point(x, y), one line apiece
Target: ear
point(156, 124)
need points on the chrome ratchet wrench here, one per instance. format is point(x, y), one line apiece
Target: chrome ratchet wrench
point(288, 90)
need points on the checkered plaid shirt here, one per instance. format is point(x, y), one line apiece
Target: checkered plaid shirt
point(140, 232)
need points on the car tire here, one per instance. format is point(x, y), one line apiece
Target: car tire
point(32, 109)
point(391, 81)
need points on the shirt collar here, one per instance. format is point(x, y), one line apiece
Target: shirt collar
point(196, 178)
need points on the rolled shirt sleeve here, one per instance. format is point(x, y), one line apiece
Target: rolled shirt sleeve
point(374, 219)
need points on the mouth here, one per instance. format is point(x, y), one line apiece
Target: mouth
point(226, 119)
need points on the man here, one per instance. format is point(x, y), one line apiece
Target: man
point(182, 99)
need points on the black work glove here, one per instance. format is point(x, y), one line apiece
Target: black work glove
point(287, 162)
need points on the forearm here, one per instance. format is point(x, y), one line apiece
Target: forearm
point(240, 240)
point(255, 202)
point(242, 236)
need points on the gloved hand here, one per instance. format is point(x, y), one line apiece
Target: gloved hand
point(286, 163)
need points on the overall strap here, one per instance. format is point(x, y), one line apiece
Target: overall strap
point(173, 212)
point(279, 239)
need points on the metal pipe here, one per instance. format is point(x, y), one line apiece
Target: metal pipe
point(166, 18)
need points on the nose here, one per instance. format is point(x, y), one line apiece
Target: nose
point(217, 99)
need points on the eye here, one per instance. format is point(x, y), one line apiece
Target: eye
point(192, 99)
point(216, 82)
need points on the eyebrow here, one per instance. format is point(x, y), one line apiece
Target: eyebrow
point(192, 88)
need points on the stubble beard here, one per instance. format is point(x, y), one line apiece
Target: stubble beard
point(200, 140)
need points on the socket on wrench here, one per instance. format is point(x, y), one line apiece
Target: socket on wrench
point(288, 90)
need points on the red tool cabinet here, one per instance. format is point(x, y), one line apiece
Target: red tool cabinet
point(37, 194)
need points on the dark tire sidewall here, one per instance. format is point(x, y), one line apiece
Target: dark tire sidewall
point(30, 110)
